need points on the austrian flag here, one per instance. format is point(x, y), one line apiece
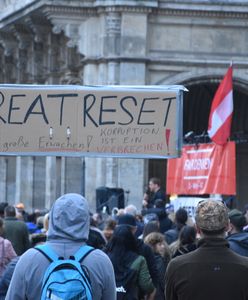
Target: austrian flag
point(220, 118)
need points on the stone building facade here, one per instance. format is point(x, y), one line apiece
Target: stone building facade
point(127, 42)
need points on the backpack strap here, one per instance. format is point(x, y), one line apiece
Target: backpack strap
point(47, 252)
point(83, 252)
point(52, 256)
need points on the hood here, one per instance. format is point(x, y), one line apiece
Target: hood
point(239, 238)
point(69, 219)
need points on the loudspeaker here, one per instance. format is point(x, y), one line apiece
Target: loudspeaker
point(109, 197)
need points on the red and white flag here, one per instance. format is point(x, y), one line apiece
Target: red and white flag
point(220, 118)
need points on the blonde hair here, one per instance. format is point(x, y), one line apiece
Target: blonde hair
point(46, 222)
point(154, 238)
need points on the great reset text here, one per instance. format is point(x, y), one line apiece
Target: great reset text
point(130, 111)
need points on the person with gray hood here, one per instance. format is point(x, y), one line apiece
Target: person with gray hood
point(68, 230)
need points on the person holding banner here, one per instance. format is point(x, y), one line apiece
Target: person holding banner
point(213, 271)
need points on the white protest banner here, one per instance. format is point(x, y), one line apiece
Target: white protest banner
point(188, 203)
point(117, 121)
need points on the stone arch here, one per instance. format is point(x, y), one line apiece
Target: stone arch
point(200, 96)
point(205, 89)
point(202, 76)
point(197, 103)
point(203, 85)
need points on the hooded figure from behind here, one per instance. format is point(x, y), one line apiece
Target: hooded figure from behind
point(131, 271)
point(69, 223)
point(237, 238)
point(181, 218)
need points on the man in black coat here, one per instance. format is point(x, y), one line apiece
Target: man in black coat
point(213, 271)
point(153, 193)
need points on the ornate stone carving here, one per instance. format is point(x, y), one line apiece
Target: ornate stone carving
point(58, 28)
point(22, 63)
point(39, 52)
point(71, 78)
point(67, 20)
point(113, 23)
point(8, 42)
point(10, 69)
point(112, 34)
point(40, 29)
point(24, 39)
point(72, 31)
point(72, 67)
point(54, 59)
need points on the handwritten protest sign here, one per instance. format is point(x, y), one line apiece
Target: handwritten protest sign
point(82, 120)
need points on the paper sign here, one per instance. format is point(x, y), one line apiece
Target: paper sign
point(101, 121)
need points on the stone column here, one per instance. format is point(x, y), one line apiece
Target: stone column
point(112, 172)
point(3, 177)
point(63, 177)
point(133, 47)
point(24, 42)
point(131, 174)
point(50, 195)
point(112, 46)
point(90, 74)
point(10, 45)
point(24, 181)
point(113, 73)
point(112, 50)
point(101, 172)
point(1, 64)
point(54, 58)
point(133, 72)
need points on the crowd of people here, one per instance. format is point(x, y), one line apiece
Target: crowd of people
point(151, 254)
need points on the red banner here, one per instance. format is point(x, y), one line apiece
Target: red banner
point(205, 169)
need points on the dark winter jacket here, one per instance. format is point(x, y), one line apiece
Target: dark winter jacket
point(17, 232)
point(160, 194)
point(213, 271)
point(96, 238)
point(146, 251)
point(6, 278)
point(171, 235)
point(184, 249)
point(161, 264)
point(143, 278)
point(238, 242)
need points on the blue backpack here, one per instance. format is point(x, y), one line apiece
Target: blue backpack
point(66, 278)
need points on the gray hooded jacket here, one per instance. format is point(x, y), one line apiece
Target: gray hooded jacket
point(68, 231)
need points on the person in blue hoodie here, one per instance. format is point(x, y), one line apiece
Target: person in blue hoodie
point(237, 238)
point(69, 223)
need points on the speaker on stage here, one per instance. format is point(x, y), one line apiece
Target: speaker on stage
point(109, 197)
